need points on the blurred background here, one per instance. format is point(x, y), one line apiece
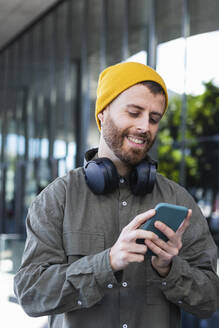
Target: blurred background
point(51, 53)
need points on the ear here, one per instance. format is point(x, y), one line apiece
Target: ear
point(101, 117)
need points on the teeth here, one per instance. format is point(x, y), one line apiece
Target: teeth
point(136, 140)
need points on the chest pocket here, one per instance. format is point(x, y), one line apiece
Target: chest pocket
point(79, 243)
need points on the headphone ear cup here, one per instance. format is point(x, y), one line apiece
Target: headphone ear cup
point(142, 178)
point(101, 176)
point(111, 176)
point(152, 177)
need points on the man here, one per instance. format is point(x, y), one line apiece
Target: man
point(83, 264)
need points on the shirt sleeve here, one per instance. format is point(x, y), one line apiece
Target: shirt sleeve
point(192, 282)
point(46, 283)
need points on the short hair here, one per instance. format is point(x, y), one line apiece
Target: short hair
point(154, 87)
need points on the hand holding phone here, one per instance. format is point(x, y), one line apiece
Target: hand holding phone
point(169, 214)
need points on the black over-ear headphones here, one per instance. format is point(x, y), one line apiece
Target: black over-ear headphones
point(102, 177)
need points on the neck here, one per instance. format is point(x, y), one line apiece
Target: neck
point(122, 168)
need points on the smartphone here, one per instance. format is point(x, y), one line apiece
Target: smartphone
point(171, 215)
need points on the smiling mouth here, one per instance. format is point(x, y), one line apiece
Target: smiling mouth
point(136, 140)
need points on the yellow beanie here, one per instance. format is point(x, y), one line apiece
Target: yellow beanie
point(117, 78)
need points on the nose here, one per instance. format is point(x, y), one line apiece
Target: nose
point(143, 123)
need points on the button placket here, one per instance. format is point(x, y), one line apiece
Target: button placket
point(125, 199)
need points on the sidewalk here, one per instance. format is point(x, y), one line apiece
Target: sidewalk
point(12, 314)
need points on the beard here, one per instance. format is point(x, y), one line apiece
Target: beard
point(115, 137)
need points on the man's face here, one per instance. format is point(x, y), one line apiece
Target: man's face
point(129, 124)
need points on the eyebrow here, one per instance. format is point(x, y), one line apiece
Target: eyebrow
point(135, 106)
point(142, 108)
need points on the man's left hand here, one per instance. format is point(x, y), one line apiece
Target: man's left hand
point(165, 251)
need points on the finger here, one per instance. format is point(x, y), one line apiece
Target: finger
point(135, 258)
point(157, 250)
point(141, 234)
point(138, 248)
point(185, 223)
point(140, 219)
point(167, 231)
point(169, 248)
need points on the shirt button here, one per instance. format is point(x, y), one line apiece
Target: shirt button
point(125, 325)
point(79, 303)
point(109, 286)
point(124, 203)
point(122, 180)
point(124, 284)
point(164, 283)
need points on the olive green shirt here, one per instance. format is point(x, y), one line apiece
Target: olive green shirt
point(66, 273)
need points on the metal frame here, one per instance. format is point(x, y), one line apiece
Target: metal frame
point(125, 43)
point(185, 34)
point(152, 44)
point(83, 112)
point(4, 164)
point(103, 34)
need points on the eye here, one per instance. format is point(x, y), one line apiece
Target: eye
point(133, 114)
point(154, 120)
